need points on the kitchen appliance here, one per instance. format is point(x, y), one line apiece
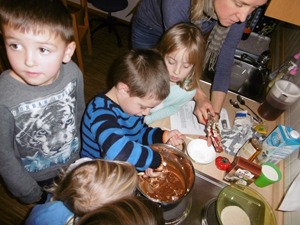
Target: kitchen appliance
point(249, 71)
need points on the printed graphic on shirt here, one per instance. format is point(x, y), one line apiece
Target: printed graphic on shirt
point(46, 129)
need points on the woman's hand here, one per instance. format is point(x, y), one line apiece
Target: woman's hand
point(203, 106)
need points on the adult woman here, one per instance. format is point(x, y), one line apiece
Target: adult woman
point(224, 20)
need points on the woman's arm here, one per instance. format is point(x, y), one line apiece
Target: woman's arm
point(221, 78)
point(225, 59)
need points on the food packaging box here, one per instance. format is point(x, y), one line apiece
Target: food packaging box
point(279, 144)
point(242, 171)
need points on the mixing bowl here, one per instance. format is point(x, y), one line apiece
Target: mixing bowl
point(238, 204)
point(176, 180)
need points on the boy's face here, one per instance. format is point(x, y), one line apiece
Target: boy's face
point(133, 105)
point(178, 66)
point(36, 58)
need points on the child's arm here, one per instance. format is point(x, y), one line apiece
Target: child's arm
point(113, 135)
point(173, 137)
point(80, 96)
point(164, 112)
point(16, 178)
point(177, 98)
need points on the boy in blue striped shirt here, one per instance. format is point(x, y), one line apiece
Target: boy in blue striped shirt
point(113, 125)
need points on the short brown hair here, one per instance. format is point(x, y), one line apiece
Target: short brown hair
point(37, 16)
point(144, 72)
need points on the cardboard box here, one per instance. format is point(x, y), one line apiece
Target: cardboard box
point(279, 144)
point(242, 171)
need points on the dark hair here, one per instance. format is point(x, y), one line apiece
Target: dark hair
point(144, 72)
point(126, 211)
point(37, 16)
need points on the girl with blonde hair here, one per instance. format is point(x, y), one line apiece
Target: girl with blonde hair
point(182, 47)
point(88, 186)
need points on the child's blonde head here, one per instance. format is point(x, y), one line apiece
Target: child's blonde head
point(95, 183)
point(189, 37)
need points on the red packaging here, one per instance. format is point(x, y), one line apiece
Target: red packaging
point(242, 171)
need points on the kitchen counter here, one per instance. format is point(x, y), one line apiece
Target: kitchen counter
point(272, 193)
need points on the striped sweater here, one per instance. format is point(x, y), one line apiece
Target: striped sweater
point(110, 133)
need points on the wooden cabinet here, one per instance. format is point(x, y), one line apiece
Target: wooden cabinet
point(287, 11)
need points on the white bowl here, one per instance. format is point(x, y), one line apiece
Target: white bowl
point(199, 152)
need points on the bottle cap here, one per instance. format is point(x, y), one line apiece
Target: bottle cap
point(294, 134)
point(294, 71)
point(297, 56)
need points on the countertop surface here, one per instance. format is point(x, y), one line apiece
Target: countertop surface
point(272, 193)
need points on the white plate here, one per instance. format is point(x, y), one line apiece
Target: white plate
point(199, 152)
point(234, 215)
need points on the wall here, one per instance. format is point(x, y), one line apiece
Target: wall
point(287, 42)
point(123, 15)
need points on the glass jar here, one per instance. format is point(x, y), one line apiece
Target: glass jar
point(250, 149)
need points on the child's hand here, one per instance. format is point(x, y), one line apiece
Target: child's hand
point(152, 173)
point(174, 137)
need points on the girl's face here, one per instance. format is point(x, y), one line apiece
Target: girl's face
point(36, 58)
point(178, 66)
point(233, 11)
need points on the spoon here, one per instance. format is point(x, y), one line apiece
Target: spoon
point(242, 101)
point(236, 105)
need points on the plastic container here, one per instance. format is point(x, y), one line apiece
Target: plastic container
point(287, 68)
point(279, 144)
point(269, 175)
point(237, 204)
point(250, 149)
point(282, 95)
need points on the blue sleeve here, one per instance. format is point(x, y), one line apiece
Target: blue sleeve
point(116, 145)
point(175, 11)
point(171, 105)
point(119, 136)
point(163, 113)
point(49, 213)
point(225, 60)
